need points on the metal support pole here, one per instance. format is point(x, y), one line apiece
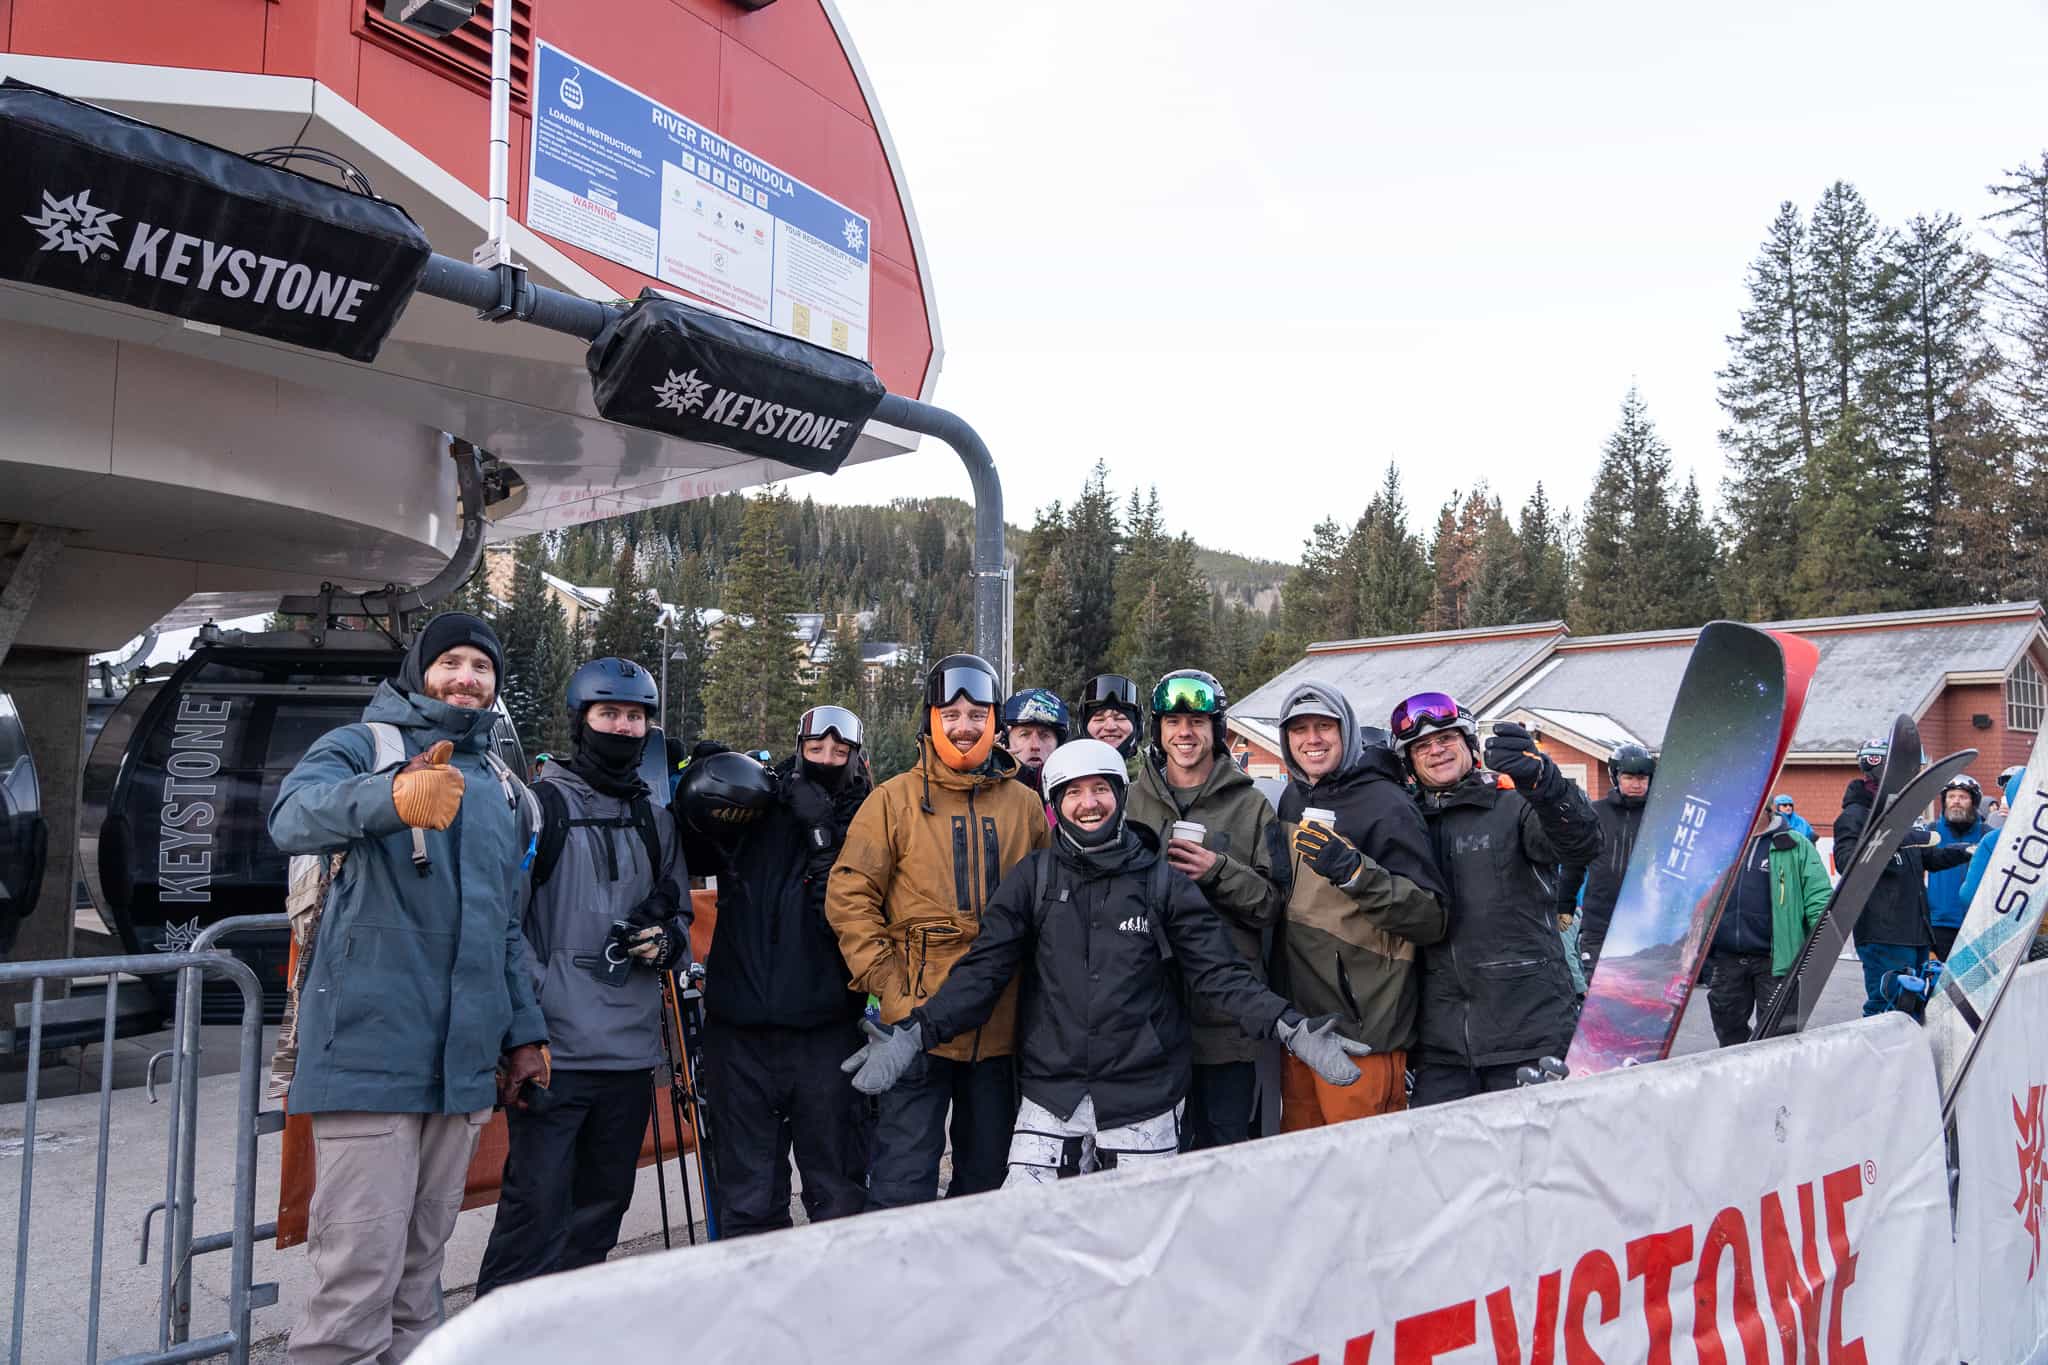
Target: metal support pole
point(495, 251)
point(990, 567)
point(39, 546)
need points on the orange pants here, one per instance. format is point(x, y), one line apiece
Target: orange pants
point(1309, 1101)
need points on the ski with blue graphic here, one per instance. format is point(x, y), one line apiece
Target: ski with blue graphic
point(1997, 929)
point(1730, 725)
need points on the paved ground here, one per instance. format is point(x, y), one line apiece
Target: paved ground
point(66, 1175)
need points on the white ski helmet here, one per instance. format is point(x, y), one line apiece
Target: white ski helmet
point(1082, 758)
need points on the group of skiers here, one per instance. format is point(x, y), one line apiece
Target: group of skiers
point(1057, 944)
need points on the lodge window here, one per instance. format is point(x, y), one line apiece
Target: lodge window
point(2023, 696)
point(464, 54)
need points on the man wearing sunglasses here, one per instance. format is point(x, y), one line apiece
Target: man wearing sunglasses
point(1784, 808)
point(921, 859)
point(1496, 993)
point(1186, 779)
point(1364, 895)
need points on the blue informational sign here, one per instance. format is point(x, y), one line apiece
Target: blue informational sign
point(635, 182)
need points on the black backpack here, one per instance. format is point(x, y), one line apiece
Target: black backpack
point(555, 825)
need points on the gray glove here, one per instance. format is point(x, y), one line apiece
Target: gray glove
point(1320, 1047)
point(882, 1060)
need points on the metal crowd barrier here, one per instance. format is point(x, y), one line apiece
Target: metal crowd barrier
point(174, 1340)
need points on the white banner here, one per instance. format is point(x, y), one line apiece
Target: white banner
point(2001, 1134)
point(1778, 1202)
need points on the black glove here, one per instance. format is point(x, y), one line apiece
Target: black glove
point(1328, 852)
point(658, 946)
point(1511, 751)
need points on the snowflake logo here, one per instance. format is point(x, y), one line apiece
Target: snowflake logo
point(178, 937)
point(682, 392)
point(2033, 1155)
point(73, 224)
point(855, 235)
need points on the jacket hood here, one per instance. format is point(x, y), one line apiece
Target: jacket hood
point(1351, 738)
point(2012, 788)
point(435, 720)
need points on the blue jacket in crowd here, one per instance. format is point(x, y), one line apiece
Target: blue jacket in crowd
point(418, 982)
point(1945, 903)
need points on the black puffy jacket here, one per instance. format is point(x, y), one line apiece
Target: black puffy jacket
point(1100, 1012)
point(774, 960)
point(1620, 818)
point(1897, 911)
point(1497, 989)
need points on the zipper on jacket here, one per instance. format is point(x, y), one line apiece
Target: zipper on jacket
point(973, 882)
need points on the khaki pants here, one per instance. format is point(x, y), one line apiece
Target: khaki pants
point(1309, 1101)
point(387, 1189)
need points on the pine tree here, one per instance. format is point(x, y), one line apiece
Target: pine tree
point(1625, 581)
point(1319, 599)
point(1050, 655)
point(1935, 391)
point(1692, 562)
point(628, 626)
point(1237, 642)
point(1139, 565)
point(1392, 572)
point(1500, 587)
point(844, 681)
point(2019, 291)
point(1041, 544)
point(755, 696)
point(1768, 392)
point(1845, 246)
point(1456, 556)
point(1091, 564)
point(1846, 563)
point(534, 635)
point(689, 644)
point(897, 711)
point(1546, 564)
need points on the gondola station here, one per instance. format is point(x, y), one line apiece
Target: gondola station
point(303, 303)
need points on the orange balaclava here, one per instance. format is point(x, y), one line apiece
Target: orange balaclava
point(950, 754)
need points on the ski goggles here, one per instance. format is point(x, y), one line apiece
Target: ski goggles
point(1109, 689)
point(1423, 710)
point(1186, 694)
point(975, 684)
point(836, 721)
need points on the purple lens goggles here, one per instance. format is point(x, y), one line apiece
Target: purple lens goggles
point(1424, 708)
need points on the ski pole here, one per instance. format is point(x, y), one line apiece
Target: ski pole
point(661, 1184)
point(674, 1079)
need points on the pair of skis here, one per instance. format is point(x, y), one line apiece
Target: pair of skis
point(682, 1039)
point(1904, 789)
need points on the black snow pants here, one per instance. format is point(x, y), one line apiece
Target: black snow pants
point(778, 1090)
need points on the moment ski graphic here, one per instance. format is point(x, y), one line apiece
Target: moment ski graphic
point(1996, 932)
point(1887, 830)
point(1730, 725)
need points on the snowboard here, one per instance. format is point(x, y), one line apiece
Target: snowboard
point(1730, 726)
point(1891, 820)
point(1997, 930)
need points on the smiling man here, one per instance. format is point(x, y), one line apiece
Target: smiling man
point(921, 861)
point(417, 986)
point(1365, 894)
point(1110, 940)
point(1238, 861)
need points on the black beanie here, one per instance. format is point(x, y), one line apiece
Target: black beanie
point(442, 634)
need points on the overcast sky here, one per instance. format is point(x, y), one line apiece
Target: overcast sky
point(1254, 252)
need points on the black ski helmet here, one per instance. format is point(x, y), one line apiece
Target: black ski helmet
point(1190, 691)
point(1871, 756)
point(957, 675)
point(1630, 758)
point(1111, 691)
point(725, 791)
point(1963, 782)
point(619, 680)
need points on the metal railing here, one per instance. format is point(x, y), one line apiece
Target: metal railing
point(174, 1342)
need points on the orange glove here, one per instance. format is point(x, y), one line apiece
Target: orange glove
point(426, 791)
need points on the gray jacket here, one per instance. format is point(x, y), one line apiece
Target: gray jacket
point(416, 985)
point(592, 1025)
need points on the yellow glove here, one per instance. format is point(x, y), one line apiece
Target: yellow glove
point(427, 792)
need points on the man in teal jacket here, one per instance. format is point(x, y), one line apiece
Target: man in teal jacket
point(417, 1012)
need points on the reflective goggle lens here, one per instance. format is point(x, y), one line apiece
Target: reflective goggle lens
point(1424, 708)
point(1184, 694)
point(977, 686)
point(820, 721)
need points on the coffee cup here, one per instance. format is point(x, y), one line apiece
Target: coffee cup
point(1325, 818)
point(1189, 831)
